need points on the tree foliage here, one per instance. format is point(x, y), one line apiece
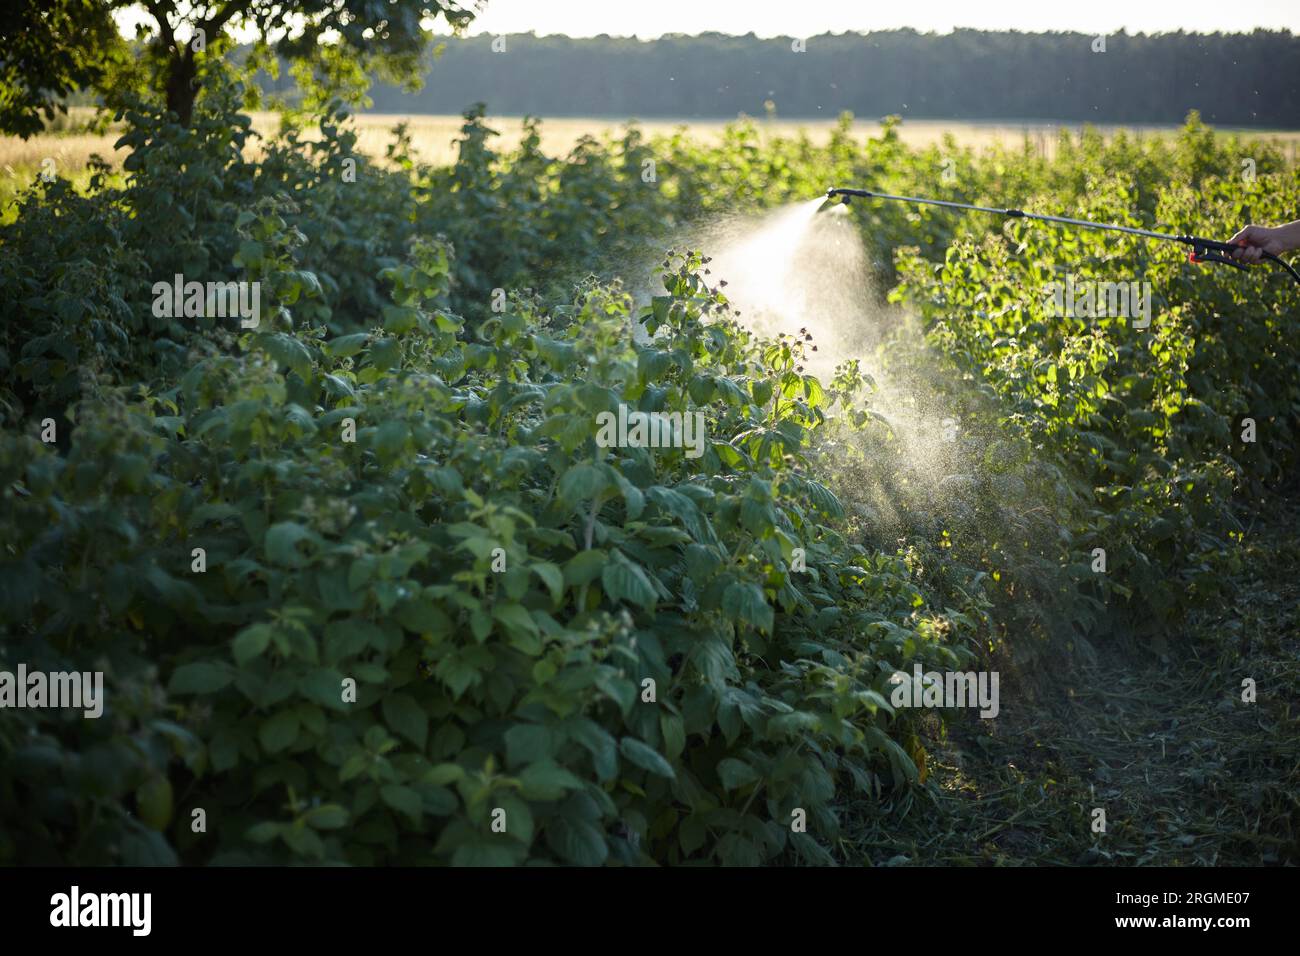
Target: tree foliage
point(48, 51)
point(965, 74)
point(54, 49)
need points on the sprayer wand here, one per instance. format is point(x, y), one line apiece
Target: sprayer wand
point(1203, 250)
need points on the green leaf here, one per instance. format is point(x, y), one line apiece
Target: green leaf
point(346, 345)
point(547, 780)
point(251, 642)
point(288, 351)
point(529, 743)
point(624, 581)
point(633, 498)
point(303, 842)
point(339, 387)
point(577, 841)
point(515, 617)
point(143, 847)
point(674, 735)
point(553, 578)
point(153, 800)
point(282, 542)
point(400, 318)
point(600, 743)
point(328, 816)
point(483, 852)
point(323, 686)
point(280, 732)
point(745, 601)
point(406, 717)
point(391, 438)
point(584, 567)
point(646, 757)
point(443, 774)
point(519, 818)
point(385, 353)
point(402, 799)
point(824, 499)
point(423, 617)
point(735, 774)
point(581, 482)
point(200, 677)
point(264, 832)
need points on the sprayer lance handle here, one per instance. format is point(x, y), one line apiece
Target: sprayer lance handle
point(1206, 250)
point(1210, 250)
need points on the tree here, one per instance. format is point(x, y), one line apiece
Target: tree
point(48, 50)
point(54, 47)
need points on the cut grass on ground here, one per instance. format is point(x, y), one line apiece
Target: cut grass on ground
point(1160, 739)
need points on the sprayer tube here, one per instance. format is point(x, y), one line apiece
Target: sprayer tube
point(1199, 245)
point(1011, 213)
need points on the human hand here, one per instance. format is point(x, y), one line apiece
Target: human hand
point(1254, 241)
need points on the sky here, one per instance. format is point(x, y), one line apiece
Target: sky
point(651, 18)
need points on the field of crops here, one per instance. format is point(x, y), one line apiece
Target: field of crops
point(70, 143)
point(367, 586)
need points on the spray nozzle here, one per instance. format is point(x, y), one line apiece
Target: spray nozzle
point(845, 194)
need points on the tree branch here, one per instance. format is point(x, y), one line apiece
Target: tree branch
point(155, 8)
point(223, 16)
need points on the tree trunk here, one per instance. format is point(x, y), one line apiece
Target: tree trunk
point(181, 86)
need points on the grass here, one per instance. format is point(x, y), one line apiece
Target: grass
point(1159, 737)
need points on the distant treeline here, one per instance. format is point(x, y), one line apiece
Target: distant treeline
point(1233, 79)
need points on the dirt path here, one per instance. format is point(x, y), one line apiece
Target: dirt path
point(1159, 738)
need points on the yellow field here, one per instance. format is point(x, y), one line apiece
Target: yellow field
point(434, 137)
